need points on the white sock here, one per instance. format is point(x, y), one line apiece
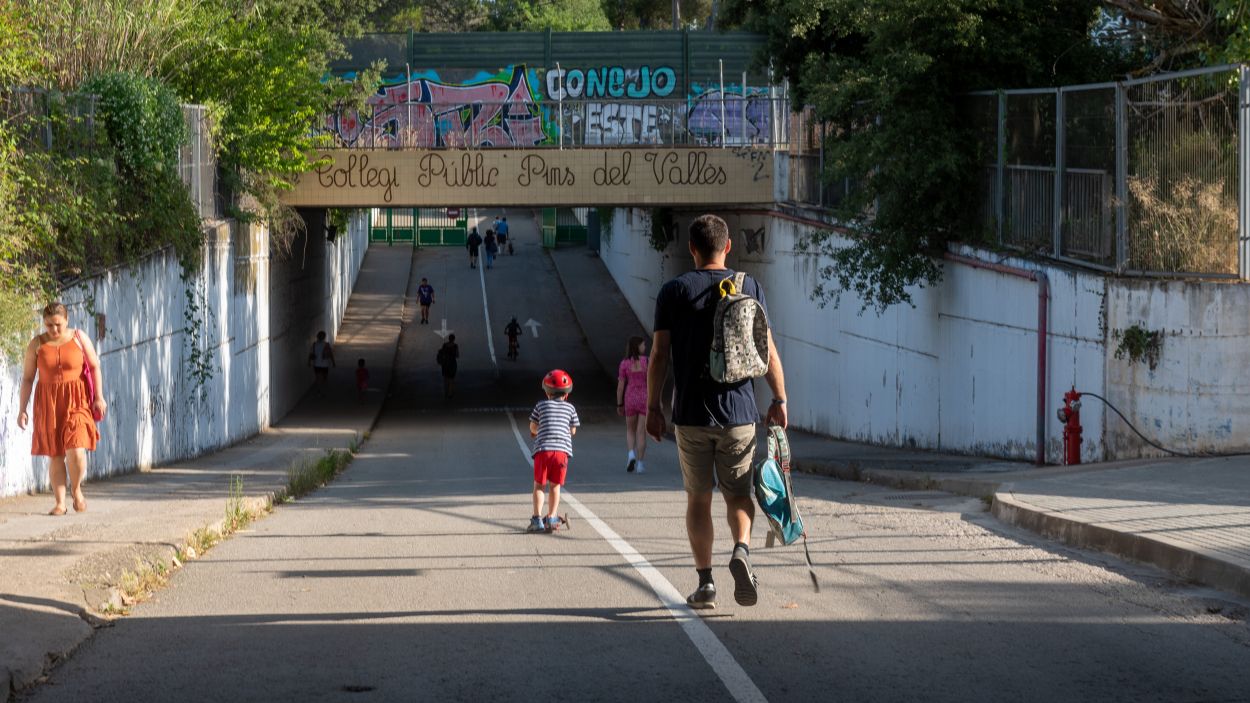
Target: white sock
point(631, 454)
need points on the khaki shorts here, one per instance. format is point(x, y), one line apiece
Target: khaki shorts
point(712, 456)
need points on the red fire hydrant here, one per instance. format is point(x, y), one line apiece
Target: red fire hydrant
point(1070, 416)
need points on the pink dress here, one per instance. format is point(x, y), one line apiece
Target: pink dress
point(634, 371)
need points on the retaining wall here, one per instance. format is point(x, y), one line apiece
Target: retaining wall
point(150, 326)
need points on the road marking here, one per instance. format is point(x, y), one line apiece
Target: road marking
point(444, 331)
point(534, 325)
point(490, 338)
point(731, 673)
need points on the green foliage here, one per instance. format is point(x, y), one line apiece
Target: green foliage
point(143, 120)
point(537, 15)
point(888, 76)
point(656, 14)
point(1139, 344)
point(19, 54)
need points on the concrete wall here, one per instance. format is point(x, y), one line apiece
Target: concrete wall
point(163, 406)
point(1197, 397)
point(956, 373)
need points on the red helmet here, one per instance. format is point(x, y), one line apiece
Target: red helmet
point(558, 381)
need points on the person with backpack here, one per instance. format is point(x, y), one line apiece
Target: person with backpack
point(513, 333)
point(472, 244)
point(447, 359)
point(714, 411)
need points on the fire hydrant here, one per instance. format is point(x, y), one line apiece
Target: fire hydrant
point(1070, 416)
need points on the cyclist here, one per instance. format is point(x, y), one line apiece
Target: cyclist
point(513, 332)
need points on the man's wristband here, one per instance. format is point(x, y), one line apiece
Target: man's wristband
point(779, 401)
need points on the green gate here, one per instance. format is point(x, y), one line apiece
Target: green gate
point(418, 226)
point(442, 226)
point(392, 225)
point(549, 227)
point(571, 225)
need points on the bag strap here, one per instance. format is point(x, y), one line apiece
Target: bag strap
point(779, 447)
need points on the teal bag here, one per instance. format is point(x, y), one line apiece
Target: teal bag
point(775, 495)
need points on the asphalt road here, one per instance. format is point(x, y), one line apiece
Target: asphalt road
point(411, 577)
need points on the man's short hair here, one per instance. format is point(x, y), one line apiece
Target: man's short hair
point(709, 235)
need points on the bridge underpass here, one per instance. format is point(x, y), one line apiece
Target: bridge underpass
point(411, 578)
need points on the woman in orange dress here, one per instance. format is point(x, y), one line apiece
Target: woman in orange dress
point(64, 427)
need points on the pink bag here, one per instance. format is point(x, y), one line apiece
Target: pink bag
point(88, 379)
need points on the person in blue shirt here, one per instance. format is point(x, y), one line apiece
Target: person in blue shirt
point(714, 422)
point(425, 296)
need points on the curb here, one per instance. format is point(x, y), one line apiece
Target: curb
point(1184, 562)
point(983, 488)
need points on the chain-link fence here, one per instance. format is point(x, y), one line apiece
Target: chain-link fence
point(197, 163)
point(1141, 176)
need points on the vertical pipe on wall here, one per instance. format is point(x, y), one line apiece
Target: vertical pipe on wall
point(408, 102)
point(560, 104)
point(744, 107)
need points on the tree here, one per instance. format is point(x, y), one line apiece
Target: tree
point(537, 15)
point(888, 77)
point(1175, 34)
point(656, 14)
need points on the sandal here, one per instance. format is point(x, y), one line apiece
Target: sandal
point(57, 512)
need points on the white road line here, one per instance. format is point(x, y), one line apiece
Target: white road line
point(731, 673)
point(490, 338)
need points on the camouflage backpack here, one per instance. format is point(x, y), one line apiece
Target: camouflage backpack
point(739, 335)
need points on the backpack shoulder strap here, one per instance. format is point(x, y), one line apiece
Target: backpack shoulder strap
point(740, 278)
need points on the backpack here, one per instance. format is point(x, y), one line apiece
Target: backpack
point(441, 357)
point(775, 495)
point(739, 335)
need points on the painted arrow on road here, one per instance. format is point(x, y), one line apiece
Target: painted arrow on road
point(444, 331)
point(533, 325)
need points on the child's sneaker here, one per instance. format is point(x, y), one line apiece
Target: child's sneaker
point(552, 523)
point(536, 524)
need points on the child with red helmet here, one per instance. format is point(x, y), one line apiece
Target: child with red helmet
point(553, 422)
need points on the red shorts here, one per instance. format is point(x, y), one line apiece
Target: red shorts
point(550, 466)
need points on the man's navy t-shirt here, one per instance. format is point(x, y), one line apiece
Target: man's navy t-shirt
point(685, 308)
point(425, 294)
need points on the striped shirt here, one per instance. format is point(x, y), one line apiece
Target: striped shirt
point(555, 418)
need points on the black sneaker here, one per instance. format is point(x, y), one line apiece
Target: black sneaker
point(632, 464)
point(703, 598)
point(745, 583)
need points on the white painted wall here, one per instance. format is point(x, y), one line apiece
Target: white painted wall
point(956, 373)
point(158, 412)
point(1197, 398)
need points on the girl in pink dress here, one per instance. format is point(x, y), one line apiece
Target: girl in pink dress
point(631, 400)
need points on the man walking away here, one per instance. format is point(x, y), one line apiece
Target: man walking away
point(715, 423)
point(425, 296)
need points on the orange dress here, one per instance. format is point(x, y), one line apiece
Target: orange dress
point(63, 417)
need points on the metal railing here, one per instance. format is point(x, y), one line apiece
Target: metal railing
point(1142, 176)
point(711, 119)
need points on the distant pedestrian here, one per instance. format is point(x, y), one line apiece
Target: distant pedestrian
point(513, 332)
point(715, 423)
point(631, 401)
point(67, 403)
point(425, 297)
point(491, 245)
point(473, 243)
point(505, 236)
point(448, 358)
point(362, 379)
point(321, 359)
point(553, 422)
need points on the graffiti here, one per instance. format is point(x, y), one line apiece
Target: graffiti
point(755, 239)
point(499, 110)
point(616, 82)
point(622, 123)
point(745, 120)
